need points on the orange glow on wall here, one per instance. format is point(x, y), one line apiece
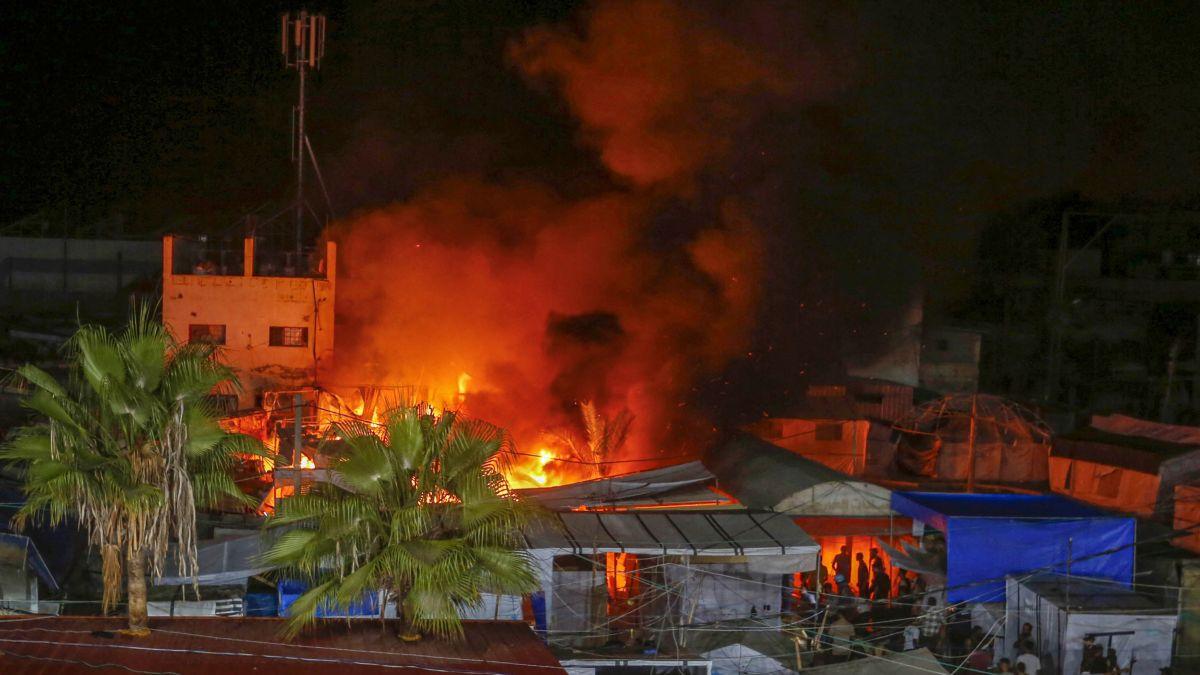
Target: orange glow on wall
point(620, 575)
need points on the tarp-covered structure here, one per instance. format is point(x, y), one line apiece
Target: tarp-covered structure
point(1010, 441)
point(990, 536)
point(1063, 610)
point(837, 510)
point(1126, 463)
point(761, 475)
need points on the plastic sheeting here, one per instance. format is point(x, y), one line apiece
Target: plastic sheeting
point(990, 536)
point(634, 486)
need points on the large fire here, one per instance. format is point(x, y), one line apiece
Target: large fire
point(584, 314)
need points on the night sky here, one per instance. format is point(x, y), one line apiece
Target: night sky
point(913, 125)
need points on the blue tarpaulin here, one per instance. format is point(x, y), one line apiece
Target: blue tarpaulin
point(289, 590)
point(989, 536)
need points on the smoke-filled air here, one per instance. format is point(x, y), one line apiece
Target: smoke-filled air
point(542, 306)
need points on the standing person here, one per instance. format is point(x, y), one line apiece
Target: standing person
point(881, 583)
point(1027, 635)
point(933, 625)
point(864, 576)
point(841, 570)
point(1029, 659)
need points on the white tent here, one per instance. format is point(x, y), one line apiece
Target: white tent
point(1064, 610)
point(762, 475)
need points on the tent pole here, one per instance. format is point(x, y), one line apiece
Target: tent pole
point(971, 449)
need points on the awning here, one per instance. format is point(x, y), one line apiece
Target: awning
point(691, 533)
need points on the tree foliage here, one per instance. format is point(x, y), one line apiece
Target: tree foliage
point(425, 516)
point(128, 446)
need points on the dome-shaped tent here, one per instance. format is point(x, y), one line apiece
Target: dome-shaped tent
point(1008, 442)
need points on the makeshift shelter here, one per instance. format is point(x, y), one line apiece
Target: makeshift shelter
point(989, 536)
point(834, 509)
point(680, 485)
point(1126, 464)
point(761, 475)
point(974, 437)
point(1065, 609)
point(644, 571)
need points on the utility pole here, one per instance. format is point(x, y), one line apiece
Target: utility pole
point(298, 441)
point(302, 41)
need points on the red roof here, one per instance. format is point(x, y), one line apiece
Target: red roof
point(227, 645)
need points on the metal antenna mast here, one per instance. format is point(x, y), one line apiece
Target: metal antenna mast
point(302, 41)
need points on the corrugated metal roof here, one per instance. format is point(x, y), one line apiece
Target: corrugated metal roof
point(217, 645)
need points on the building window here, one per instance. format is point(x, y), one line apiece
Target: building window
point(207, 332)
point(829, 432)
point(289, 336)
point(943, 345)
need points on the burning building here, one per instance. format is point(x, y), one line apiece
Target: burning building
point(272, 315)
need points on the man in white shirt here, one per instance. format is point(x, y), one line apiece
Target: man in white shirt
point(1029, 657)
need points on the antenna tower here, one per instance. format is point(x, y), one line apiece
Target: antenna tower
point(302, 41)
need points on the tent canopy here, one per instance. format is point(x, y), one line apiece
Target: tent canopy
point(989, 536)
point(762, 475)
point(1064, 610)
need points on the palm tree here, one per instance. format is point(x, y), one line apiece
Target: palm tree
point(426, 519)
point(602, 439)
point(128, 447)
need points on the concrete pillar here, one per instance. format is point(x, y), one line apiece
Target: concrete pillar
point(248, 257)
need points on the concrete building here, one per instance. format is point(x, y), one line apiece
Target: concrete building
point(950, 360)
point(273, 316)
point(36, 272)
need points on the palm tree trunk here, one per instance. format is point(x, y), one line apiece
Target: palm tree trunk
point(136, 586)
point(405, 631)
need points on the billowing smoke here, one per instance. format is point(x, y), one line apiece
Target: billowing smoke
point(628, 296)
point(655, 87)
point(545, 302)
